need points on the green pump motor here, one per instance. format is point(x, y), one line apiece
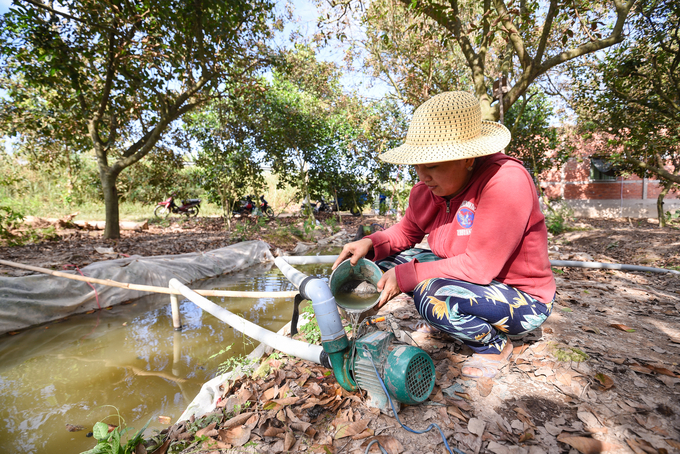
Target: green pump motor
point(407, 371)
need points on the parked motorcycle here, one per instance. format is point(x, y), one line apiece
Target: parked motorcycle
point(323, 206)
point(189, 207)
point(248, 207)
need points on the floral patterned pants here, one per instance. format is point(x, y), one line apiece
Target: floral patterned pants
point(481, 316)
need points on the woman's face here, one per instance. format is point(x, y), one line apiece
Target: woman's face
point(445, 179)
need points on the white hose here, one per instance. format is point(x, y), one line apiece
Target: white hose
point(309, 259)
point(611, 266)
point(284, 344)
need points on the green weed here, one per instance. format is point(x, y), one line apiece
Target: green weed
point(333, 224)
point(310, 331)
point(558, 218)
point(111, 442)
point(569, 354)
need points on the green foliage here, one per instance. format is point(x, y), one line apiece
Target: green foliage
point(310, 330)
point(534, 140)
point(629, 96)
point(227, 168)
point(558, 217)
point(672, 216)
point(569, 354)
point(9, 220)
point(203, 422)
point(110, 442)
point(118, 76)
point(421, 47)
point(410, 52)
point(332, 222)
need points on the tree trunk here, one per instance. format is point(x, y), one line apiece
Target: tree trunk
point(108, 179)
point(659, 204)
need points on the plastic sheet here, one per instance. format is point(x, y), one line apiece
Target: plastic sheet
point(36, 299)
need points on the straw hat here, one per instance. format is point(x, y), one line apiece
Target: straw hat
point(448, 127)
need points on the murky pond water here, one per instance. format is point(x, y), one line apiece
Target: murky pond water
point(74, 371)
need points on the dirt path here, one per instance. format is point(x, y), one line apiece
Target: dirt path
point(601, 374)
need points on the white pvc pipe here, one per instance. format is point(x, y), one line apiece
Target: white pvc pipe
point(284, 344)
point(610, 266)
point(176, 317)
point(323, 301)
point(309, 259)
point(293, 275)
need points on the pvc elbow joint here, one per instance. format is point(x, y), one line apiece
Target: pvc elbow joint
point(325, 309)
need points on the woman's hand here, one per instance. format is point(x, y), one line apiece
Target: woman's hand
point(354, 251)
point(388, 286)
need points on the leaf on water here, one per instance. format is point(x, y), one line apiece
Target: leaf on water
point(605, 380)
point(587, 445)
point(164, 419)
point(349, 429)
point(622, 327)
point(74, 428)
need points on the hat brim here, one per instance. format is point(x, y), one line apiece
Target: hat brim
point(494, 137)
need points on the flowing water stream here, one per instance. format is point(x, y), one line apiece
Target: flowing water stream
point(125, 360)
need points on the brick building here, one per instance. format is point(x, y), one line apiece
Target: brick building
point(593, 189)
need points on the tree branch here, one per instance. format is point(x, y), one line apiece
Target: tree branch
point(660, 171)
point(514, 36)
point(545, 33)
point(615, 37)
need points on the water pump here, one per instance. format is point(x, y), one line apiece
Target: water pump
point(406, 371)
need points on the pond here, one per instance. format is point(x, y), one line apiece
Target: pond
point(125, 360)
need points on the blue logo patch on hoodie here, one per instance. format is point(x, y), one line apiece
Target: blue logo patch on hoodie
point(466, 217)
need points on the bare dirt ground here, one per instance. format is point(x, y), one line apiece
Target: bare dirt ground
point(601, 375)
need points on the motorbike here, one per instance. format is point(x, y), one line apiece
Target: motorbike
point(189, 207)
point(323, 206)
point(248, 207)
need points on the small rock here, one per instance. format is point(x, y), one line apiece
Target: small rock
point(358, 287)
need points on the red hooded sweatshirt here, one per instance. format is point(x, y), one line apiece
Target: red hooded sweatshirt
point(492, 230)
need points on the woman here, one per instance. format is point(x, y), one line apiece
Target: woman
point(487, 274)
